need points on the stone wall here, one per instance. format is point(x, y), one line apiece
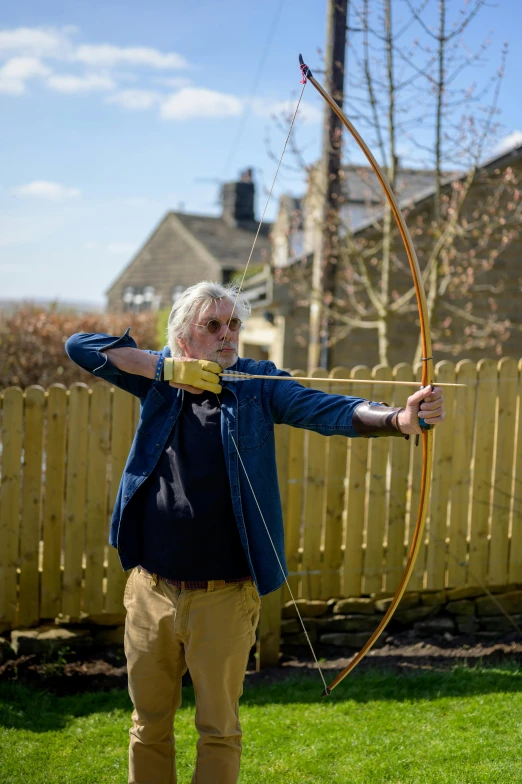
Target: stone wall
point(348, 623)
point(342, 623)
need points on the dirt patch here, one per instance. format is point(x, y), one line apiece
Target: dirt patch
point(65, 673)
point(102, 669)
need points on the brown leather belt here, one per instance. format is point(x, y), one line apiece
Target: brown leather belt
point(193, 585)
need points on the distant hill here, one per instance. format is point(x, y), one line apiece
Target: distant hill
point(46, 303)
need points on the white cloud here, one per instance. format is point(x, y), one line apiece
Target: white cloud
point(509, 142)
point(44, 189)
point(36, 41)
point(134, 99)
point(106, 55)
point(67, 83)
point(16, 72)
point(33, 49)
point(58, 43)
point(194, 102)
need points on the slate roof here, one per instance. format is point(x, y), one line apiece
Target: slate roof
point(229, 245)
point(364, 197)
point(413, 187)
point(362, 186)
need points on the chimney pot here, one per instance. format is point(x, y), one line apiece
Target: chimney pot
point(237, 200)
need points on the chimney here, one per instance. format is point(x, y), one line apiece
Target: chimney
point(237, 200)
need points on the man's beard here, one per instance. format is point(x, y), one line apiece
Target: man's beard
point(225, 361)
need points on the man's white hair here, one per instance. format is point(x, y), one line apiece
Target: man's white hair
point(190, 303)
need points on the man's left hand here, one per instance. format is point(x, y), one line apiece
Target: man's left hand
point(425, 404)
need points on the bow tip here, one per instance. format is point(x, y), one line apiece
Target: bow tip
point(304, 68)
point(326, 692)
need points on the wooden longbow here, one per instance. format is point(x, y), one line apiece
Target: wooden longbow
point(427, 375)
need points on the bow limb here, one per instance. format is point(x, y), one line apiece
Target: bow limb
point(427, 374)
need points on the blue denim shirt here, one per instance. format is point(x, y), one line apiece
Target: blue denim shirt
point(249, 410)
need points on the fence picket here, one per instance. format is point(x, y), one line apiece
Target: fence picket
point(51, 580)
point(29, 583)
point(463, 419)
point(337, 454)
point(482, 470)
point(416, 581)
point(314, 503)
point(441, 484)
point(376, 518)
point(399, 465)
point(75, 496)
point(502, 481)
point(12, 429)
point(515, 549)
point(294, 505)
point(356, 497)
point(96, 514)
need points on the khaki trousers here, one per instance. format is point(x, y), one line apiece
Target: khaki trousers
point(168, 630)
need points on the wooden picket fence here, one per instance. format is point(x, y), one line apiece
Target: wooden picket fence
point(349, 504)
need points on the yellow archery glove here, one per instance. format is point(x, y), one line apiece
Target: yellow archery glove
point(200, 373)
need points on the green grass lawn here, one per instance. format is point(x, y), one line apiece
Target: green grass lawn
point(459, 727)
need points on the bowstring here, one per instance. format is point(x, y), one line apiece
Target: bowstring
point(264, 212)
point(239, 288)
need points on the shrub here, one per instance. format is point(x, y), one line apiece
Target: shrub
point(32, 342)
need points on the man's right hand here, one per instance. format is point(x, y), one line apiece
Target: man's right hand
point(195, 375)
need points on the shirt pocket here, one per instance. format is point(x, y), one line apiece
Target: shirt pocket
point(254, 430)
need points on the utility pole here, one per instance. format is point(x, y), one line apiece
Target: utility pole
point(329, 185)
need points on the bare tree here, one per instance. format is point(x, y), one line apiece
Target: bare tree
point(411, 96)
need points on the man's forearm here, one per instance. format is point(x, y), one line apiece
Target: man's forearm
point(133, 360)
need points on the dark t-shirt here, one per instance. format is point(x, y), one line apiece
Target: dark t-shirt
point(188, 529)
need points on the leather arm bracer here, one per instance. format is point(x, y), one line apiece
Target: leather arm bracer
point(376, 419)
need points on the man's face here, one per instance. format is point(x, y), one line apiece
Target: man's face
point(201, 344)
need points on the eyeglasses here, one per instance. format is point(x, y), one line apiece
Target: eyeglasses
point(214, 325)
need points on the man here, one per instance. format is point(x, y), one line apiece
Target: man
point(198, 516)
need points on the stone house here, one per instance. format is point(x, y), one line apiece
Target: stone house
point(294, 235)
point(186, 248)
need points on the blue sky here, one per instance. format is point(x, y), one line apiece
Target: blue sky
point(113, 113)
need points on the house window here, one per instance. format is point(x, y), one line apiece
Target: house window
point(128, 297)
point(149, 297)
point(137, 300)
